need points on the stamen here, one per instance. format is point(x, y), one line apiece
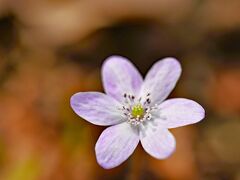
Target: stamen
point(148, 101)
point(137, 112)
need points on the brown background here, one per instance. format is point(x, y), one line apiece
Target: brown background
point(51, 49)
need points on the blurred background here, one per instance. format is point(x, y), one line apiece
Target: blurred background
point(51, 49)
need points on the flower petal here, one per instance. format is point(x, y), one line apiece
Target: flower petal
point(120, 76)
point(180, 112)
point(97, 108)
point(161, 79)
point(116, 144)
point(157, 141)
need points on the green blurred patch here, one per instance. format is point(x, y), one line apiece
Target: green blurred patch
point(75, 131)
point(28, 169)
point(2, 152)
point(74, 135)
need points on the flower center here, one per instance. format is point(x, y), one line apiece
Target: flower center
point(137, 111)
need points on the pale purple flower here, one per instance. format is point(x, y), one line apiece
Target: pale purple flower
point(135, 110)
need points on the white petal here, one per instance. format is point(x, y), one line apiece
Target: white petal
point(180, 112)
point(120, 76)
point(157, 141)
point(97, 108)
point(116, 144)
point(161, 79)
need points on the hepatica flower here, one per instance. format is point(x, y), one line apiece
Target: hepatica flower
point(136, 110)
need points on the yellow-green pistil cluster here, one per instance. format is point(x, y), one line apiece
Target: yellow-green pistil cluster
point(137, 111)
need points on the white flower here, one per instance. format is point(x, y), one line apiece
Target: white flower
point(136, 110)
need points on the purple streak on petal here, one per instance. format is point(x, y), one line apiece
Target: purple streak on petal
point(157, 141)
point(116, 144)
point(161, 79)
point(120, 76)
point(97, 108)
point(180, 112)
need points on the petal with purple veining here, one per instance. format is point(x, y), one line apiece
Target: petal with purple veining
point(97, 108)
point(180, 112)
point(116, 144)
point(158, 142)
point(120, 76)
point(161, 79)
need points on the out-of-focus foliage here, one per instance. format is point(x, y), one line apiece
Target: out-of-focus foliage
point(50, 50)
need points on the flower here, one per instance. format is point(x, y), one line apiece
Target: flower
point(135, 110)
